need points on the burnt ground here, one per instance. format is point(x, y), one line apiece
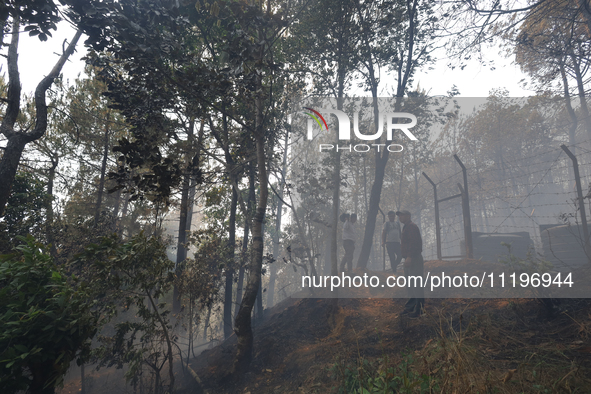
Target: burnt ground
point(460, 345)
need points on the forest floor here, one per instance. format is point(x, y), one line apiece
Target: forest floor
point(459, 345)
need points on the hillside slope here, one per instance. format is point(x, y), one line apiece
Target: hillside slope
point(477, 345)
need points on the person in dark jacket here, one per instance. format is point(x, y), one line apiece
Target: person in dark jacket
point(411, 245)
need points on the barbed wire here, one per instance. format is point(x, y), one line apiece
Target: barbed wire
point(525, 198)
point(537, 163)
point(526, 184)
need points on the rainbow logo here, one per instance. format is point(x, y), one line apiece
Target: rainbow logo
point(315, 115)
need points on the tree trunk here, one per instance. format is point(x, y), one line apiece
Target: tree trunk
point(258, 309)
point(582, 95)
point(169, 355)
point(42, 374)
point(374, 202)
point(273, 268)
point(336, 184)
point(49, 221)
point(206, 324)
point(194, 181)
point(381, 158)
point(234, 173)
point(404, 68)
point(181, 251)
point(101, 188)
point(123, 215)
point(304, 240)
point(190, 344)
point(243, 327)
point(9, 165)
point(116, 211)
point(18, 140)
point(243, 257)
point(230, 267)
point(569, 108)
point(82, 379)
point(572, 130)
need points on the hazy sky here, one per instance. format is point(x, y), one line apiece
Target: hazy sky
point(37, 58)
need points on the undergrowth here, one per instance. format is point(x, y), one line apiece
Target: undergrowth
point(485, 354)
point(381, 376)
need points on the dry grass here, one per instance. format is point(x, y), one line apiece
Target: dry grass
point(459, 346)
point(509, 349)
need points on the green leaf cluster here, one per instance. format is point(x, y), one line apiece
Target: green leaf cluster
point(45, 322)
point(369, 377)
point(24, 213)
point(135, 275)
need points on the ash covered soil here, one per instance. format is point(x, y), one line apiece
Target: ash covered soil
point(474, 345)
point(459, 345)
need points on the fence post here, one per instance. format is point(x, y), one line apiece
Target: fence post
point(466, 211)
point(580, 198)
point(437, 225)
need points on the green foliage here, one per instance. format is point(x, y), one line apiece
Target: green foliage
point(24, 212)
point(38, 16)
point(217, 202)
point(44, 321)
point(72, 234)
point(200, 278)
point(132, 276)
point(381, 377)
point(139, 264)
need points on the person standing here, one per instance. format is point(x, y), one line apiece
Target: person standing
point(349, 238)
point(391, 240)
point(411, 246)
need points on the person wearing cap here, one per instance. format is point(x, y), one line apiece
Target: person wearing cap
point(411, 246)
point(391, 240)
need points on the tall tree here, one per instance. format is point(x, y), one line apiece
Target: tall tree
point(330, 32)
point(553, 45)
point(412, 35)
point(18, 139)
point(154, 67)
point(191, 177)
